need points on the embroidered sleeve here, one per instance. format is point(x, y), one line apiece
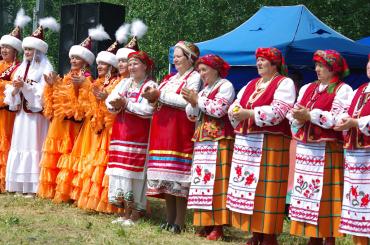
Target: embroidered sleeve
point(293, 122)
point(142, 107)
point(364, 125)
point(273, 114)
point(342, 100)
point(176, 100)
point(218, 107)
point(192, 112)
point(13, 102)
point(236, 103)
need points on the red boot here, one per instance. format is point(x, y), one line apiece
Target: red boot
point(216, 234)
point(204, 232)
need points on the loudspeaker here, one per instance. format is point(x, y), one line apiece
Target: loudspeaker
point(77, 19)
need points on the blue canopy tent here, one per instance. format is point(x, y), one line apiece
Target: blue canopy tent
point(364, 41)
point(292, 29)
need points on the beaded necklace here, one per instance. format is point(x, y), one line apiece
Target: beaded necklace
point(260, 89)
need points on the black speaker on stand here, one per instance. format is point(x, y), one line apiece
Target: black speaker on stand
point(77, 19)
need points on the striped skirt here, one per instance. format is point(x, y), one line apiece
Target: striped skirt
point(220, 215)
point(331, 200)
point(269, 204)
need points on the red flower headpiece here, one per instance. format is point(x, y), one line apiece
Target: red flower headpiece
point(144, 58)
point(216, 62)
point(275, 57)
point(332, 60)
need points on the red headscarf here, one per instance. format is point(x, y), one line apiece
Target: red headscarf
point(275, 57)
point(144, 58)
point(216, 62)
point(332, 60)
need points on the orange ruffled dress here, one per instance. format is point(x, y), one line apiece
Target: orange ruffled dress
point(90, 154)
point(6, 119)
point(62, 105)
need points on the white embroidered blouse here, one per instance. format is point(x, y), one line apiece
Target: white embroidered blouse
point(168, 89)
point(216, 107)
point(325, 119)
point(273, 114)
point(136, 103)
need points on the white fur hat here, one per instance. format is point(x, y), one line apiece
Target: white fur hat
point(123, 53)
point(107, 57)
point(83, 50)
point(11, 41)
point(36, 40)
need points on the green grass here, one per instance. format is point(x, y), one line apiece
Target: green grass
point(38, 221)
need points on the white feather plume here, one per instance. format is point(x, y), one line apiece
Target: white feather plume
point(22, 19)
point(138, 28)
point(122, 33)
point(98, 33)
point(49, 22)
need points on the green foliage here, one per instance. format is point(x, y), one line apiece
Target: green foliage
point(200, 20)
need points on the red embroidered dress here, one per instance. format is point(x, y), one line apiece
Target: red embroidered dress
point(171, 148)
point(129, 143)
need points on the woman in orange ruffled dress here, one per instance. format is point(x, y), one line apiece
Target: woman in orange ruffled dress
point(94, 193)
point(10, 46)
point(63, 98)
point(91, 147)
point(78, 150)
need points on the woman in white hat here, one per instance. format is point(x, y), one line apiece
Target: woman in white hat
point(11, 46)
point(24, 95)
point(89, 149)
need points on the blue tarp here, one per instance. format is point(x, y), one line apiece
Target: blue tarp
point(292, 29)
point(364, 41)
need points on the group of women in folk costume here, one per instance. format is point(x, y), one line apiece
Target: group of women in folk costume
point(109, 143)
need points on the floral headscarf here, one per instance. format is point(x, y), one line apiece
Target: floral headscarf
point(144, 58)
point(275, 57)
point(332, 60)
point(216, 62)
point(190, 48)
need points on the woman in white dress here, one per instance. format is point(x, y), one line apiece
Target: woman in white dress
point(24, 95)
